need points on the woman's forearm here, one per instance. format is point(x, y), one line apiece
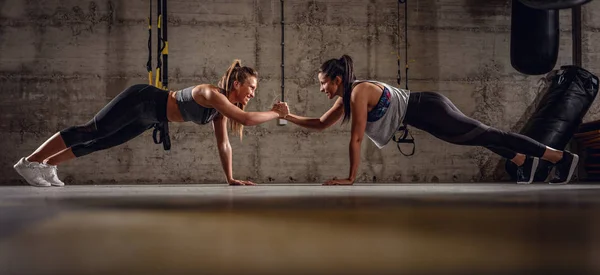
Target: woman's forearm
point(354, 149)
point(225, 155)
point(255, 118)
point(306, 122)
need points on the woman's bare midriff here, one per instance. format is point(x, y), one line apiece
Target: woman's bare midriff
point(173, 113)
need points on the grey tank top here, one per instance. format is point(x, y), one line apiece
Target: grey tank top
point(191, 110)
point(382, 130)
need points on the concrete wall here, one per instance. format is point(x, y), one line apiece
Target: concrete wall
point(61, 61)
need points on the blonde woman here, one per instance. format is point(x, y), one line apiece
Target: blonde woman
point(139, 107)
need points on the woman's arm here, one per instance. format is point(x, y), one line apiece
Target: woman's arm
point(225, 153)
point(226, 108)
point(325, 121)
point(358, 103)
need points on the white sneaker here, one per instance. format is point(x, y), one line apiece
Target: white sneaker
point(31, 172)
point(50, 174)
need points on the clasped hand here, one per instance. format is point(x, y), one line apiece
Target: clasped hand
point(281, 108)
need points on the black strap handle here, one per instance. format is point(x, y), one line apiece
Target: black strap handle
point(160, 134)
point(403, 130)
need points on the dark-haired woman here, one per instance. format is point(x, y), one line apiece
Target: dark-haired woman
point(138, 108)
point(378, 109)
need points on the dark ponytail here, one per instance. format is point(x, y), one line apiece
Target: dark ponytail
point(344, 68)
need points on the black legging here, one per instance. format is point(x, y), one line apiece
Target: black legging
point(128, 115)
point(436, 114)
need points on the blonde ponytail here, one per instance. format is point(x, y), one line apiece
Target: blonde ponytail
point(239, 73)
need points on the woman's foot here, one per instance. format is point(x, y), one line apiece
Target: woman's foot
point(50, 174)
point(526, 172)
point(31, 172)
point(565, 168)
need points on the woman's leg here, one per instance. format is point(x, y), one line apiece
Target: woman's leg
point(129, 114)
point(124, 109)
point(123, 135)
point(49, 169)
point(436, 114)
point(517, 158)
point(49, 147)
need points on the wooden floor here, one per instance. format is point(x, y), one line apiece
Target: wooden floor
point(301, 229)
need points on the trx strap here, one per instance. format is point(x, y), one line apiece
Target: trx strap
point(160, 134)
point(405, 40)
point(401, 135)
point(403, 131)
point(165, 48)
point(149, 63)
point(159, 44)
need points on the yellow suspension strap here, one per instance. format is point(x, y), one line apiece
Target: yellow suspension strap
point(403, 129)
point(165, 49)
point(160, 134)
point(158, 84)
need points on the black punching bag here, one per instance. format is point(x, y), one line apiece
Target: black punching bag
point(559, 113)
point(533, 39)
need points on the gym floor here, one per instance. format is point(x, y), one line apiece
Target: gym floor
point(301, 229)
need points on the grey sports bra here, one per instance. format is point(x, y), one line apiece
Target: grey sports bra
point(191, 110)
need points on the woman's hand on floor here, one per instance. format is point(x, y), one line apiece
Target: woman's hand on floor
point(241, 182)
point(335, 181)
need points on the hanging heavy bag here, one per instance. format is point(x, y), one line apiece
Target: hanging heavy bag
point(553, 4)
point(534, 39)
point(559, 113)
